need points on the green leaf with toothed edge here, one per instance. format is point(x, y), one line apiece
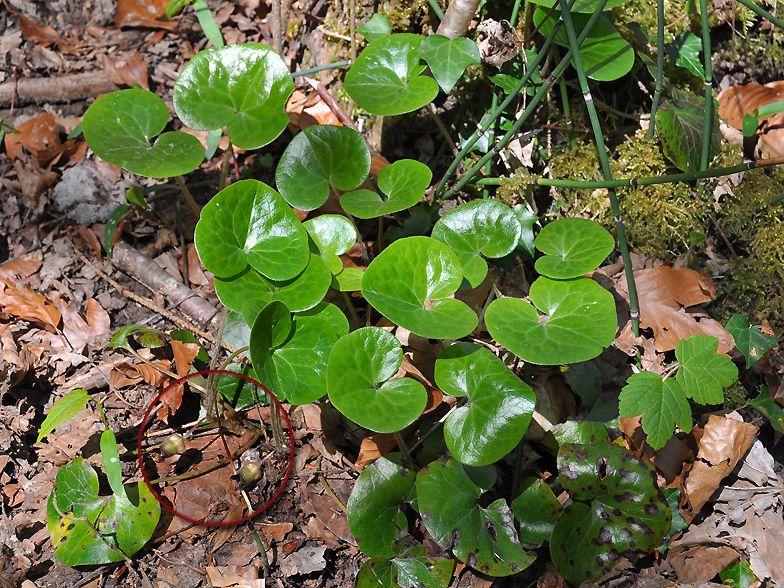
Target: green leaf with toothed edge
point(704, 373)
point(63, 411)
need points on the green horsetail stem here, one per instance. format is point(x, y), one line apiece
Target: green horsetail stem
point(707, 120)
point(764, 14)
point(659, 69)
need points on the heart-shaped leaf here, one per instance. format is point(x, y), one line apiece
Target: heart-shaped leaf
point(329, 313)
point(751, 341)
point(333, 235)
point(119, 127)
point(244, 86)
point(618, 511)
point(481, 228)
point(606, 55)
point(573, 247)
point(498, 401)
point(577, 323)
point(376, 28)
point(63, 411)
point(403, 184)
point(536, 510)
point(527, 221)
point(448, 58)
point(300, 293)
point(125, 520)
point(679, 125)
point(704, 373)
point(374, 508)
point(349, 280)
point(249, 222)
point(361, 386)
point(319, 158)
point(410, 282)
point(290, 357)
point(385, 79)
point(483, 538)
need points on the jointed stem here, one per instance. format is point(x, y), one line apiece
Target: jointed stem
point(707, 121)
point(659, 70)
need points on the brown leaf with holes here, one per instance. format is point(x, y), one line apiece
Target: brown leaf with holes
point(723, 444)
point(127, 69)
point(143, 13)
point(33, 180)
point(665, 293)
point(16, 270)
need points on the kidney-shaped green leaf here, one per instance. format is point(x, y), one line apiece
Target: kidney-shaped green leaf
point(448, 58)
point(573, 247)
point(536, 510)
point(480, 228)
point(329, 313)
point(319, 157)
point(499, 405)
point(250, 288)
point(243, 86)
point(618, 511)
point(374, 508)
point(120, 126)
point(385, 79)
point(333, 235)
point(360, 383)
point(290, 357)
point(409, 283)
point(403, 183)
point(483, 538)
point(578, 321)
point(249, 222)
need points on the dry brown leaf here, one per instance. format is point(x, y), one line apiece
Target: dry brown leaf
point(196, 270)
point(373, 446)
point(76, 329)
point(184, 354)
point(664, 294)
point(39, 135)
point(37, 33)
point(90, 238)
point(276, 531)
point(16, 270)
point(127, 69)
point(220, 581)
point(32, 179)
point(738, 101)
point(26, 304)
point(143, 13)
point(669, 460)
point(771, 138)
point(723, 444)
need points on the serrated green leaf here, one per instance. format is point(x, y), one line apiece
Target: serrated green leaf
point(403, 184)
point(319, 159)
point(679, 125)
point(751, 341)
point(361, 384)
point(685, 52)
point(662, 404)
point(63, 411)
point(448, 58)
point(120, 126)
point(385, 78)
point(244, 87)
point(704, 374)
point(572, 247)
point(484, 228)
point(376, 28)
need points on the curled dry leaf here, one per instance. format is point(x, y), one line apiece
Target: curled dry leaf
point(26, 304)
point(143, 13)
point(127, 69)
point(33, 180)
point(39, 135)
point(738, 101)
point(664, 294)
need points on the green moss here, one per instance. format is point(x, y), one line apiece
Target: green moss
point(644, 12)
point(400, 13)
point(735, 396)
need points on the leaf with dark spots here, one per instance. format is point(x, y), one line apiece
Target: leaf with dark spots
point(625, 497)
point(651, 510)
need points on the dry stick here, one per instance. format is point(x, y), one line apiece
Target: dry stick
point(188, 196)
point(276, 40)
point(68, 88)
point(442, 128)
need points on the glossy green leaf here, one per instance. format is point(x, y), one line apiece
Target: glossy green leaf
point(679, 125)
point(63, 410)
point(361, 386)
point(662, 404)
point(412, 568)
point(685, 52)
point(119, 127)
point(238, 392)
point(409, 283)
point(448, 58)
point(250, 223)
point(577, 323)
point(320, 158)
point(749, 125)
point(483, 228)
point(212, 143)
point(236, 331)
point(403, 184)
point(606, 55)
point(618, 511)
point(349, 280)
point(244, 86)
point(125, 520)
point(374, 509)
point(147, 336)
point(385, 79)
point(536, 509)
point(483, 538)
point(738, 575)
point(527, 220)
point(329, 313)
point(751, 341)
point(333, 235)
point(110, 456)
point(208, 25)
point(572, 247)
point(766, 405)
point(290, 357)
point(585, 432)
point(111, 227)
point(300, 293)
point(581, 6)
point(704, 374)
point(376, 28)
point(498, 401)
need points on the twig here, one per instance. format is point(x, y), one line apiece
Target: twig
point(442, 129)
point(188, 195)
point(333, 105)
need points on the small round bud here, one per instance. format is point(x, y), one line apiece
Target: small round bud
point(249, 473)
point(174, 445)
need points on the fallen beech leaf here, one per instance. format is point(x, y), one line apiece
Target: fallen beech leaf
point(669, 460)
point(143, 13)
point(32, 31)
point(26, 304)
point(723, 444)
point(771, 138)
point(33, 180)
point(39, 135)
point(16, 270)
point(90, 239)
point(184, 354)
point(276, 532)
point(373, 446)
point(219, 581)
point(664, 294)
point(738, 101)
point(127, 69)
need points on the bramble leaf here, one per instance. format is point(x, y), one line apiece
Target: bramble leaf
point(704, 374)
point(63, 411)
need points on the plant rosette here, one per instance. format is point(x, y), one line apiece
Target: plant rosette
point(141, 447)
